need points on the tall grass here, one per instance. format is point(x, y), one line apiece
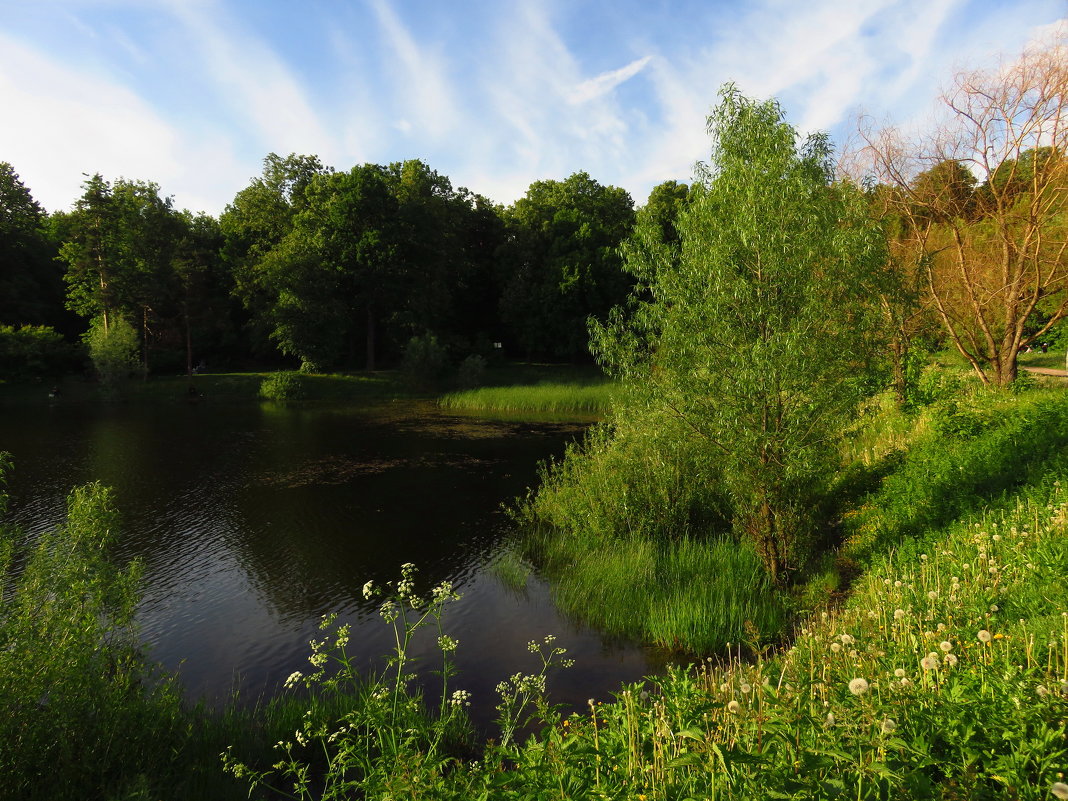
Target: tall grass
point(552, 398)
point(690, 594)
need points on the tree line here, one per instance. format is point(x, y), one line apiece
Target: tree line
point(329, 269)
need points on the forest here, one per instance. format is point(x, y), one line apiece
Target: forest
point(822, 481)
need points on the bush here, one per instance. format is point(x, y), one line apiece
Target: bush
point(113, 350)
point(32, 351)
point(284, 386)
point(425, 360)
point(472, 372)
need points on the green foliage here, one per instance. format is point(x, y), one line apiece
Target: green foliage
point(79, 702)
point(283, 386)
point(631, 528)
point(756, 330)
point(988, 448)
point(113, 350)
point(548, 396)
point(560, 263)
point(390, 742)
point(31, 287)
point(471, 372)
point(425, 360)
point(35, 351)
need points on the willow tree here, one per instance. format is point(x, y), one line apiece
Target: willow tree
point(754, 328)
point(983, 196)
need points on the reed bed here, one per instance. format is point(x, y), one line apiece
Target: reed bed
point(545, 398)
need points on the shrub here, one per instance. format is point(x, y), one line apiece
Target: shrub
point(425, 359)
point(472, 371)
point(35, 351)
point(113, 350)
point(282, 386)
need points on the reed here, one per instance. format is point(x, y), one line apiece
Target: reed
point(549, 398)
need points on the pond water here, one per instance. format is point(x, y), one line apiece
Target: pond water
point(252, 521)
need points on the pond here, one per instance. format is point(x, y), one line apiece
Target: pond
point(254, 520)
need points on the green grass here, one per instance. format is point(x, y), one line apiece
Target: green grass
point(548, 398)
point(1053, 359)
point(691, 595)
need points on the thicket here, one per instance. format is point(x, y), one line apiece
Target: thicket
point(36, 351)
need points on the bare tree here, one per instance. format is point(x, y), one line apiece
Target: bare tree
point(984, 205)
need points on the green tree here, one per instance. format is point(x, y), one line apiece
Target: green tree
point(119, 249)
point(259, 218)
point(755, 332)
point(666, 201)
point(31, 286)
point(560, 263)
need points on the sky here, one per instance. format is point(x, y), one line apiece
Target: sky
point(494, 94)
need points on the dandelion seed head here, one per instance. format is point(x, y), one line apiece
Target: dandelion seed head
point(734, 707)
point(898, 614)
point(946, 646)
point(951, 660)
point(829, 720)
point(929, 662)
point(847, 639)
point(745, 688)
point(984, 635)
point(900, 673)
point(858, 686)
point(889, 726)
point(836, 647)
point(1060, 790)
point(932, 595)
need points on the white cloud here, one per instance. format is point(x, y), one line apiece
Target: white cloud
point(249, 79)
point(62, 122)
point(425, 90)
point(606, 81)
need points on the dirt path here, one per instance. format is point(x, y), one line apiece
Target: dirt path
point(1045, 371)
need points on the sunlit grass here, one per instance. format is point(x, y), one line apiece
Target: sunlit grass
point(552, 398)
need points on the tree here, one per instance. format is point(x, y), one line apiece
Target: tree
point(258, 219)
point(119, 249)
point(560, 263)
point(755, 330)
point(31, 287)
point(666, 201)
point(984, 202)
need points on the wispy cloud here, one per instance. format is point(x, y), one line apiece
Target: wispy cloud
point(422, 86)
point(193, 93)
point(606, 81)
point(114, 131)
point(250, 79)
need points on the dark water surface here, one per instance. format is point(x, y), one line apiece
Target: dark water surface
point(253, 521)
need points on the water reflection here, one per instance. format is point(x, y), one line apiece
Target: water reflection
point(253, 521)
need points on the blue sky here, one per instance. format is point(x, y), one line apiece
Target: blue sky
point(495, 94)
